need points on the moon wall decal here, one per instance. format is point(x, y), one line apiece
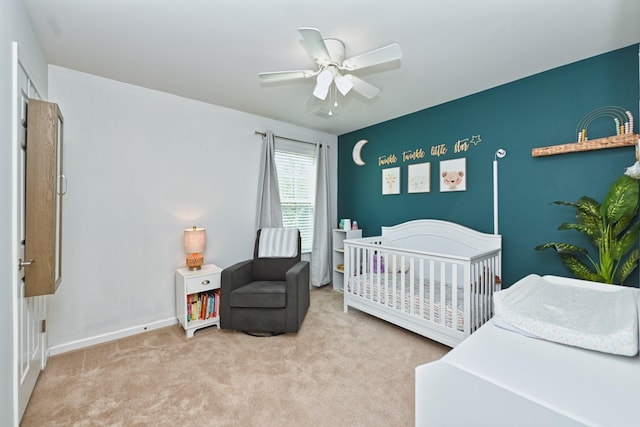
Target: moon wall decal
point(357, 152)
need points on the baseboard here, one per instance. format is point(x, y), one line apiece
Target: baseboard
point(102, 338)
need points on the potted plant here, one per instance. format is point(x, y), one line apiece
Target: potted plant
point(609, 227)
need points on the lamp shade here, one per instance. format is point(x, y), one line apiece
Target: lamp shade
point(195, 240)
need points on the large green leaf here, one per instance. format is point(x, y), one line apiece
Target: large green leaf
point(565, 203)
point(588, 213)
point(621, 225)
point(588, 218)
point(592, 232)
point(589, 206)
point(585, 205)
point(579, 268)
point(621, 200)
point(562, 248)
point(627, 267)
point(626, 242)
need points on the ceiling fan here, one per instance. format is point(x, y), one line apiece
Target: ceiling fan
point(329, 55)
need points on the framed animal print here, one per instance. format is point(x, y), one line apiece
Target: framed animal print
point(391, 181)
point(418, 178)
point(453, 175)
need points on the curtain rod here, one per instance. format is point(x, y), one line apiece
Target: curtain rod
point(284, 137)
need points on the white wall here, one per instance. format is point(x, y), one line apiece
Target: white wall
point(143, 165)
point(14, 26)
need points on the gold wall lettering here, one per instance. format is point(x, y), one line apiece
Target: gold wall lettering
point(389, 159)
point(439, 150)
point(461, 145)
point(413, 154)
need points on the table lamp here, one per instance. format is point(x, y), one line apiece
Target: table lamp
point(195, 241)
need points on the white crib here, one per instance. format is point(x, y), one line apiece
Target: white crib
point(432, 277)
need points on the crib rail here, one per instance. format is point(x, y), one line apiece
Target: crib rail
point(453, 294)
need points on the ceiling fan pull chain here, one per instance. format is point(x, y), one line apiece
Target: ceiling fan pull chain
point(330, 103)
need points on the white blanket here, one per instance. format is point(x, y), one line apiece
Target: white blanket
point(578, 313)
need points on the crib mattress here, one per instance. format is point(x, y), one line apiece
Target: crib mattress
point(372, 288)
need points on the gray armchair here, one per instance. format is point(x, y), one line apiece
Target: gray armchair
point(265, 295)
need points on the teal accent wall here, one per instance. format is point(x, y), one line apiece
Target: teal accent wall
point(536, 111)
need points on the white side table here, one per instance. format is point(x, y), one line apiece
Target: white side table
point(198, 297)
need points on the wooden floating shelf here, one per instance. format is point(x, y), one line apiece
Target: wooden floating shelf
point(624, 140)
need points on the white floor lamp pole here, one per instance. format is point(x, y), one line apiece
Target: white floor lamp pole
point(499, 155)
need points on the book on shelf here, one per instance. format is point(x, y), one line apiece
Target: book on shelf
point(210, 311)
point(203, 305)
point(216, 309)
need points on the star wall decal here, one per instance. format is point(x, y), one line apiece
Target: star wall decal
point(475, 139)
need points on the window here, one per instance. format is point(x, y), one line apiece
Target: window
point(296, 165)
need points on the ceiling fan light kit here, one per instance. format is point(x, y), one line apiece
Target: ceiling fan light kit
point(343, 84)
point(329, 56)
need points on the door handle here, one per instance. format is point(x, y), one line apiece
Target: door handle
point(25, 263)
point(63, 185)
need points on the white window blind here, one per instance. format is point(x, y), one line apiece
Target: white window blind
point(296, 165)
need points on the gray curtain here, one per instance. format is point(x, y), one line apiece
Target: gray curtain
point(321, 248)
point(269, 207)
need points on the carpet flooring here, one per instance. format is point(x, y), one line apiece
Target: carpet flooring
point(340, 369)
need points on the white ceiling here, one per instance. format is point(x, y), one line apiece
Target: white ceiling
point(213, 50)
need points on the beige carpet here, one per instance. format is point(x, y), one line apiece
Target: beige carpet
point(338, 370)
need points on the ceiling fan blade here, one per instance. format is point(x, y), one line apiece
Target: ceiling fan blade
point(378, 56)
point(323, 84)
point(314, 45)
point(343, 84)
point(362, 87)
point(279, 76)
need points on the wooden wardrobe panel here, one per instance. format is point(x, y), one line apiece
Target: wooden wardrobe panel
point(43, 208)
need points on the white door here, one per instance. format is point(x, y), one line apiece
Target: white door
point(31, 312)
